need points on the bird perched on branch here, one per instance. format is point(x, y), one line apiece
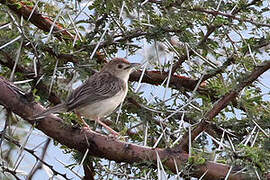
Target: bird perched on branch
point(100, 95)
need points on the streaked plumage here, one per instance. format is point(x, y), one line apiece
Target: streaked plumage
point(100, 94)
point(113, 92)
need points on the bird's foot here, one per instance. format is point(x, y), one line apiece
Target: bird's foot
point(123, 138)
point(86, 128)
point(114, 134)
point(118, 137)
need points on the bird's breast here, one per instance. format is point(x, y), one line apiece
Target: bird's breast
point(104, 107)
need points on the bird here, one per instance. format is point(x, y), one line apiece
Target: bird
point(98, 96)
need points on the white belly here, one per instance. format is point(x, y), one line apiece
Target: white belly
point(103, 107)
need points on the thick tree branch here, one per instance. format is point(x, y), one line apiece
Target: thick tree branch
point(150, 77)
point(243, 82)
point(100, 145)
point(223, 102)
point(21, 8)
point(157, 78)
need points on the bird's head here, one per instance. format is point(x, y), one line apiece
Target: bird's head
point(120, 68)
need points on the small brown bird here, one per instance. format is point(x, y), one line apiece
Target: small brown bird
point(100, 95)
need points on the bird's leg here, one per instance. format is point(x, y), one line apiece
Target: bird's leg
point(85, 125)
point(81, 120)
point(107, 127)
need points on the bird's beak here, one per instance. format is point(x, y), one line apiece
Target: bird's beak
point(132, 65)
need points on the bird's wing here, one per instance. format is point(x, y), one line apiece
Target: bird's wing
point(98, 87)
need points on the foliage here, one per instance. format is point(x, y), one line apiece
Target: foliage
point(205, 34)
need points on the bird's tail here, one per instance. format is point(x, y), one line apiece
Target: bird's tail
point(56, 109)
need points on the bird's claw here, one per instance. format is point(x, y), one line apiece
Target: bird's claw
point(86, 128)
point(118, 137)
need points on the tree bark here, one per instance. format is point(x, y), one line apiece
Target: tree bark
point(100, 145)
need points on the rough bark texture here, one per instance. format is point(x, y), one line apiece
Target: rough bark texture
point(21, 8)
point(100, 145)
point(222, 103)
point(106, 147)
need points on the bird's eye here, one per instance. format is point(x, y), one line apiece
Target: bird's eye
point(120, 66)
